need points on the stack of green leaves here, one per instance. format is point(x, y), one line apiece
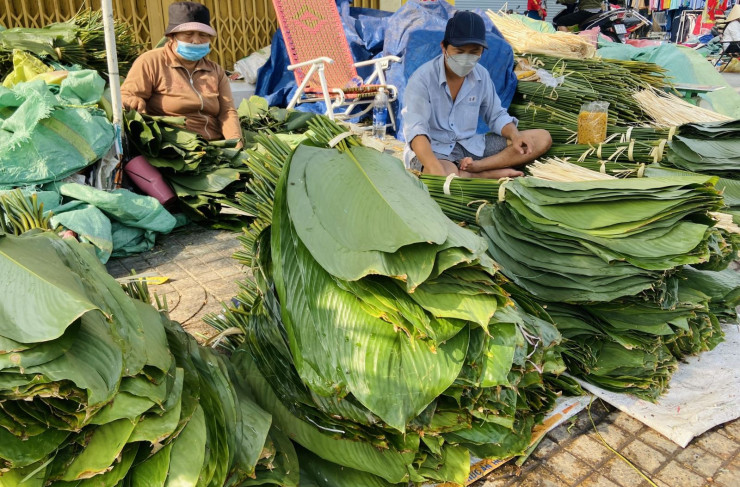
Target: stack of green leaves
point(596, 241)
point(707, 148)
point(256, 116)
point(97, 388)
point(710, 148)
point(208, 176)
point(204, 174)
point(634, 345)
point(78, 42)
point(376, 331)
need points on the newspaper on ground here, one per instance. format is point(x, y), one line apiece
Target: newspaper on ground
point(704, 393)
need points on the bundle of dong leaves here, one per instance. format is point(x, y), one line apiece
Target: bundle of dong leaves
point(206, 175)
point(97, 388)
point(76, 43)
point(589, 241)
point(629, 270)
point(376, 331)
point(710, 148)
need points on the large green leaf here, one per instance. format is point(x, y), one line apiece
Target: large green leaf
point(102, 450)
point(391, 465)
point(335, 341)
point(18, 452)
point(41, 298)
point(317, 472)
point(153, 471)
point(359, 213)
point(188, 453)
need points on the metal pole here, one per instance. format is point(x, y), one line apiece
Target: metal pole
point(114, 81)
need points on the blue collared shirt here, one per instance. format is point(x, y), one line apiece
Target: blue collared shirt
point(429, 109)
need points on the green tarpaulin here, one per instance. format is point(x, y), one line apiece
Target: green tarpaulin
point(49, 132)
point(684, 65)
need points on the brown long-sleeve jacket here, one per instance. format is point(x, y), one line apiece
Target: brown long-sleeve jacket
point(203, 95)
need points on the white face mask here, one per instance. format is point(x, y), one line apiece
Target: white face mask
point(462, 64)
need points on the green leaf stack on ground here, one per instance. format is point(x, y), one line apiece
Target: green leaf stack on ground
point(627, 268)
point(97, 388)
point(377, 331)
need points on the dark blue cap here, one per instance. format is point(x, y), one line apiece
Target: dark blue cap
point(466, 27)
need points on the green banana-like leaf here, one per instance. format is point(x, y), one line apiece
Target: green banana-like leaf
point(393, 466)
point(153, 471)
point(30, 279)
point(317, 472)
point(18, 452)
point(358, 214)
point(343, 347)
point(211, 182)
point(102, 450)
point(188, 453)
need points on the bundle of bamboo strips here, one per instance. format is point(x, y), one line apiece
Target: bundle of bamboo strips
point(556, 169)
point(667, 109)
point(526, 40)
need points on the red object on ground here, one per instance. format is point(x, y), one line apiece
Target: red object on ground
point(148, 179)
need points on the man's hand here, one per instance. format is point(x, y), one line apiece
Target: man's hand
point(522, 142)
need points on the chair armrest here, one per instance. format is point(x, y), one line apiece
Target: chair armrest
point(385, 60)
point(318, 60)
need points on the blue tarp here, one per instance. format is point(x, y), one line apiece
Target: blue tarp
point(413, 33)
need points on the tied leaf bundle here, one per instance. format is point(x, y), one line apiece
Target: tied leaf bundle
point(616, 250)
point(376, 330)
point(78, 42)
point(601, 240)
point(97, 388)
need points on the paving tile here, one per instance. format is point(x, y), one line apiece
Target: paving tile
point(561, 434)
point(732, 430)
point(542, 478)
point(658, 441)
point(159, 257)
point(171, 270)
point(191, 302)
point(116, 269)
point(644, 456)
point(718, 444)
point(502, 482)
point(729, 476)
point(589, 450)
point(545, 448)
point(614, 436)
point(625, 421)
point(699, 461)
point(621, 473)
point(676, 476)
point(190, 264)
point(567, 466)
point(234, 272)
point(597, 480)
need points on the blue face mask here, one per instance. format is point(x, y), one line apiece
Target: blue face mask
point(193, 52)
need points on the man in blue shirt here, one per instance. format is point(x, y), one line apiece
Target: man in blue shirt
point(444, 99)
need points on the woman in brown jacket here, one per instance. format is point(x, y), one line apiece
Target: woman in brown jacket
point(177, 80)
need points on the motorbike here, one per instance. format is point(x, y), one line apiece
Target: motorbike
point(618, 23)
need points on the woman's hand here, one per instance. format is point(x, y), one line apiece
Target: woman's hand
point(135, 104)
